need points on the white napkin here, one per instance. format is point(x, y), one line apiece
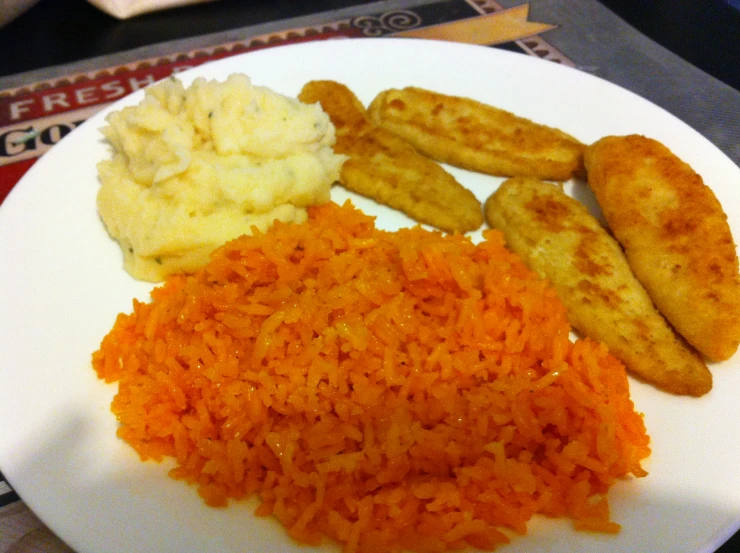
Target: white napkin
point(123, 9)
point(10, 9)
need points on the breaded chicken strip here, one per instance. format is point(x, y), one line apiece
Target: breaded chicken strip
point(476, 136)
point(386, 168)
point(559, 239)
point(675, 235)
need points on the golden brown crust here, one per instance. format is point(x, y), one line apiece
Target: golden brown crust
point(476, 136)
point(561, 241)
point(675, 235)
point(345, 110)
point(388, 169)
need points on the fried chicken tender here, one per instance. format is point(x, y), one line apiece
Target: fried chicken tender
point(559, 239)
point(675, 235)
point(388, 169)
point(476, 136)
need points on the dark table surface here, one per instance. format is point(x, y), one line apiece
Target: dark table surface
point(705, 33)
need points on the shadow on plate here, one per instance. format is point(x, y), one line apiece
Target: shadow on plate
point(95, 493)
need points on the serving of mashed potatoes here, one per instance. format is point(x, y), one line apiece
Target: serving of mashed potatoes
point(195, 167)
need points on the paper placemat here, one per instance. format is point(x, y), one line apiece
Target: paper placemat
point(39, 108)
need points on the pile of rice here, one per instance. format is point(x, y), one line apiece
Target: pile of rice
point(391, 390)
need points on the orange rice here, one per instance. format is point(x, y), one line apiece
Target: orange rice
point(394, 391)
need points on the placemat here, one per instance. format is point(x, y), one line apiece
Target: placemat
point(39, 108)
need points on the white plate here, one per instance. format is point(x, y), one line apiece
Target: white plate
point(61, 286)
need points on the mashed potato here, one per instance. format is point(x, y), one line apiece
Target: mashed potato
point(195, 167)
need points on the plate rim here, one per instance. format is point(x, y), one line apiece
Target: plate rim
point(98, 117)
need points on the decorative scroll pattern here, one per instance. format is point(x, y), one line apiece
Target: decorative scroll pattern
point(389, 22)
